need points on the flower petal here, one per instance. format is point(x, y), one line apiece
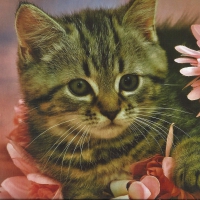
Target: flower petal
point(169, 140)
point(138, 190)
point(186, 60)
point(168, 166)
point(196, 83)
point(196, 31)
point(196, 195)
point(185, 195)
point(17, 187)
point(191, 82)
point(21, 159)
point(4, 194)
point(59, 195)
point(194, 94)
point(190, 71)
point(41, 179)
point(44, 187)
point(198, 115)
point(153, 184)
point(187, 51)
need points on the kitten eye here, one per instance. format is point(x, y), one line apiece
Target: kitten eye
point(80, 87)
point(129, 82)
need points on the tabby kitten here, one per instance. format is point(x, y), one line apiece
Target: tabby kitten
point(97, 86)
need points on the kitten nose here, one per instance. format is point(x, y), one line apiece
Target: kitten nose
point(110, 114)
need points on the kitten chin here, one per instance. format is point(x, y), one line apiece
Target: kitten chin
point(108, 131)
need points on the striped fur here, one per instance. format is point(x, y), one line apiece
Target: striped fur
point(86, 141)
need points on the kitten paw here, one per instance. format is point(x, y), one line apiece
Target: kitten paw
point(187, 165)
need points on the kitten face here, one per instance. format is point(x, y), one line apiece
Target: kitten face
point(94, 70)
point(86, 80)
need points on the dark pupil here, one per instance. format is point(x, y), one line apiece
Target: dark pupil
point(129, 82)
point(79, 87)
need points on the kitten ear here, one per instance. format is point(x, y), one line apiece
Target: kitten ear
point(35, 30)
point(141, 14)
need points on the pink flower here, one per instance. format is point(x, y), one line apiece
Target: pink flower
point(33, 185)
point(20, 132)
point(193, 57)
point(147, 188)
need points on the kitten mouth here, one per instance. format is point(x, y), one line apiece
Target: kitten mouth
point(111, 125)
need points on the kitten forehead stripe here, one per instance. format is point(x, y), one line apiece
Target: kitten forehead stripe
point(121, 65)
point(86, 69)
point(115, 34)
point(84, 41)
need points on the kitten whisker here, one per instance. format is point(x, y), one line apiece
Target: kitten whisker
point(85, 134)
point(66, 149)
point(89, 137)
point(28, 111)
point(164, 108)
point(174, 85)
point(167, 123)
point(159, 113)
point(150, 124)
point(69, 143)
point(48, 130)
point(72, 153)
point(149, 133)
point(134, 125)
point(65, 136)
point(159, 126)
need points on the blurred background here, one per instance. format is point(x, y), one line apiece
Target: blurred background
point(9, 88)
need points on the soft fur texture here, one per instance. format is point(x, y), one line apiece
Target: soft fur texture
point(102, 90)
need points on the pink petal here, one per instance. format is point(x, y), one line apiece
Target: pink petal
point(41, 179)
point(187, 51)
point(4, 194)
point(198, 115)
point(196, 31)
point(186, 60)
point(169, 140)
point(191, 82)
point(58, 194)
point(153, 184)
point(196, 83)
point(190, 71)
point(17, 187)
point(21, 159)
point(194, 94)
point(54, 191)
point(138, 190)
point(168, 166)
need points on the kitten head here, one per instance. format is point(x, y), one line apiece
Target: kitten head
point(94, 70)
